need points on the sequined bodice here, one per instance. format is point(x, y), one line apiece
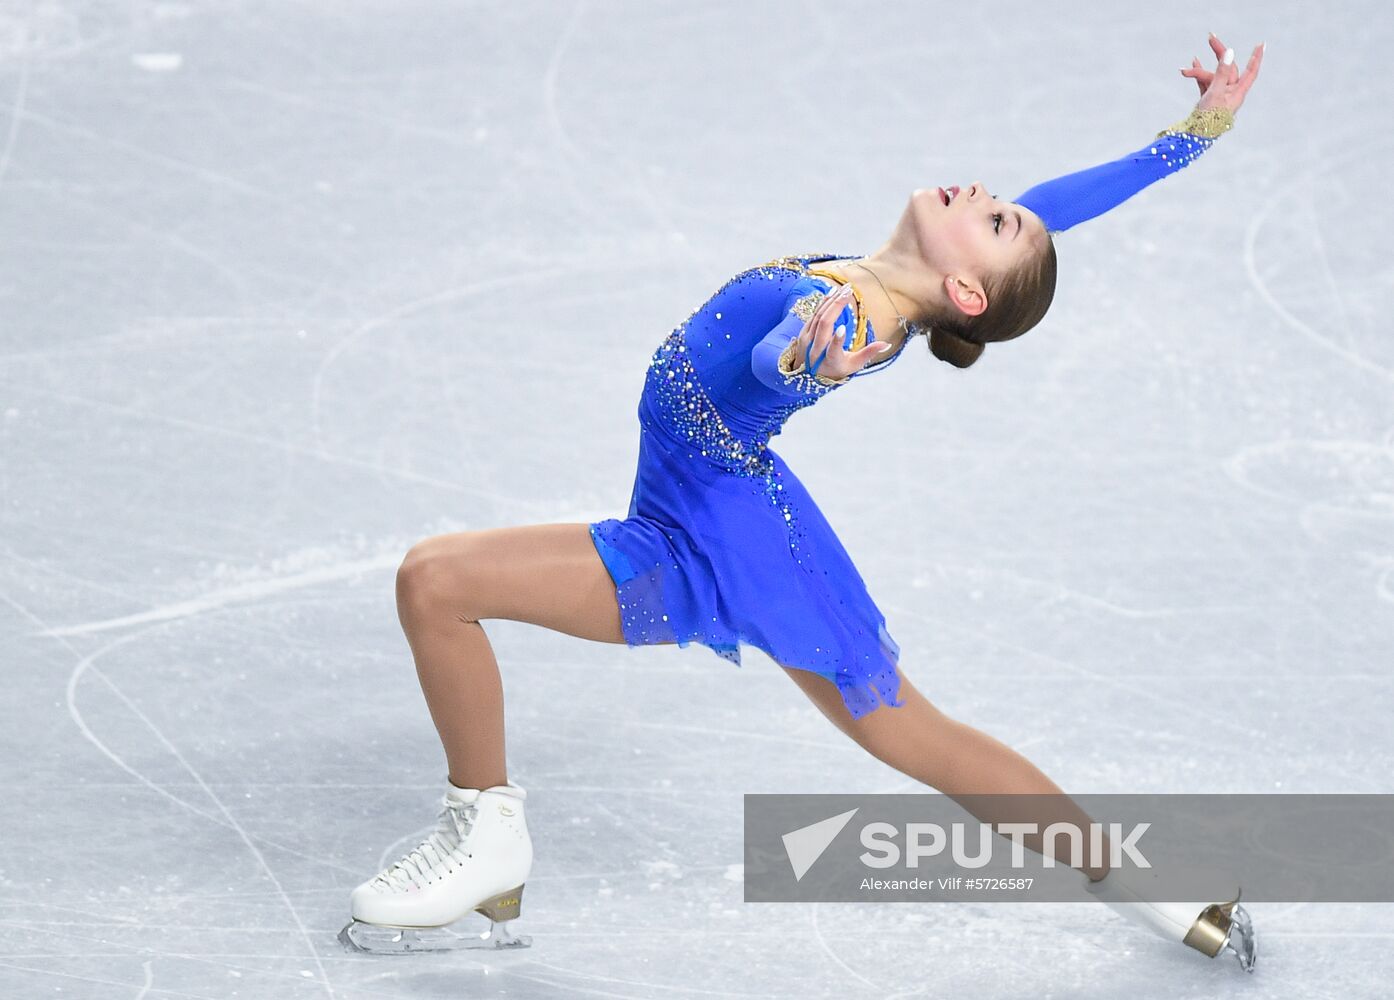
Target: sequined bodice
point(699, 388)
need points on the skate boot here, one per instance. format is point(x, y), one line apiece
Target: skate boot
point(476, 860)
point(1207, 927)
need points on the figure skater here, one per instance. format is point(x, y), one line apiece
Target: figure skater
point(723, 546)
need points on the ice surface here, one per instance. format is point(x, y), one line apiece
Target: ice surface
point(287, 287)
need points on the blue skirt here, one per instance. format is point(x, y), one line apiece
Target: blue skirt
point(722, 558)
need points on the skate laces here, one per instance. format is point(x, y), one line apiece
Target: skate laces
point(435, 855)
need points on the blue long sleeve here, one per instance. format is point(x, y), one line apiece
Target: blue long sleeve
point(764, 358)
point(1074, 198)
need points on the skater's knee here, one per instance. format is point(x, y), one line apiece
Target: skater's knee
point(432, 581)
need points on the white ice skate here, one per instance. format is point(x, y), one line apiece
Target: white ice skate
point(477, 859)
point(1207, 927)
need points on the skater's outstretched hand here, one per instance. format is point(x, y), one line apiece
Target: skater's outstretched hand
point(820, 345)
point(1225, 87)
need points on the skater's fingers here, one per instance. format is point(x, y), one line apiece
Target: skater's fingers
point(808, 342)
point(1215, 90)
point(871, 352)
point(823, 306)
point(805, 337)
point(839, 361)
point(1251, 70)
point(837, 302)
point(821, 332)
point(818, 331)
point(838, 364)
point(1223, 90)
point(837, 340)
point(1200, 76)
point(831, 305)
point(1226, 72)
point(814, 322)
point(1217, 46)
point(823, 315)
point(801, 341)
point(843, 297)
point(1229, 87)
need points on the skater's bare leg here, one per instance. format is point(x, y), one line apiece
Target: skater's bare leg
point(546, 574)
point(924, 743)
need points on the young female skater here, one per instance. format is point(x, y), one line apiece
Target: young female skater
point(723, 546)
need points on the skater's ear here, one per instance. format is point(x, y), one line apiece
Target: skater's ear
point(1000, 307)
point(967, 296)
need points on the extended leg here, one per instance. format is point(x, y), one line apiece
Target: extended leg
point(546, 574)
point(967, 765)
point(960, 761)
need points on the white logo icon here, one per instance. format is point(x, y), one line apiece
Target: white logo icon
point(806, 845)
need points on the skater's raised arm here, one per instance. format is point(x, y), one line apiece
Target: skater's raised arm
point(1074, 198)
point(966, 269)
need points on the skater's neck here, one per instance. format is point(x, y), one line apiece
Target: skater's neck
point(885, 282)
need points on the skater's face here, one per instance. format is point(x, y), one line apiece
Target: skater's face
point(970, 240)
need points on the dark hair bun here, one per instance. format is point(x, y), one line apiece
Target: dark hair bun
point(956, 350)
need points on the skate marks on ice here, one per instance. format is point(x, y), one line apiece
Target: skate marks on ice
point(502, 501)
point(21, 29)
point(45, 31)
point(1322, 177)
point(86, 664)
point(223, 816)
point(396, 315)
point(1332, 488)
point(243, 593)
point(1121, 683)
point(1324, 480)
point(299, 569)
point(1337, 485)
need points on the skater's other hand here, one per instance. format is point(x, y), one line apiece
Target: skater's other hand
point(821, 346)
point(1225, 87)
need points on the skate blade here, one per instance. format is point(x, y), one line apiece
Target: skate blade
point(1242, 940)
point(381, 939)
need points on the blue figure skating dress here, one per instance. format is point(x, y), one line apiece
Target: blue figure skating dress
point(722, 544)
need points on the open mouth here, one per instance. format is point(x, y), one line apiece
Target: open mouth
point(948, 195)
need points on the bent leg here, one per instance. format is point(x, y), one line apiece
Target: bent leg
point(962, 762)
point(546, 574)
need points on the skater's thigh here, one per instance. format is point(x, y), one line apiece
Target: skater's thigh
point(543, 574)
point(890, 733)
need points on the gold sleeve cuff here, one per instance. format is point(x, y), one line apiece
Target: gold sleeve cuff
point(1209, 123)
point(792, 367)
